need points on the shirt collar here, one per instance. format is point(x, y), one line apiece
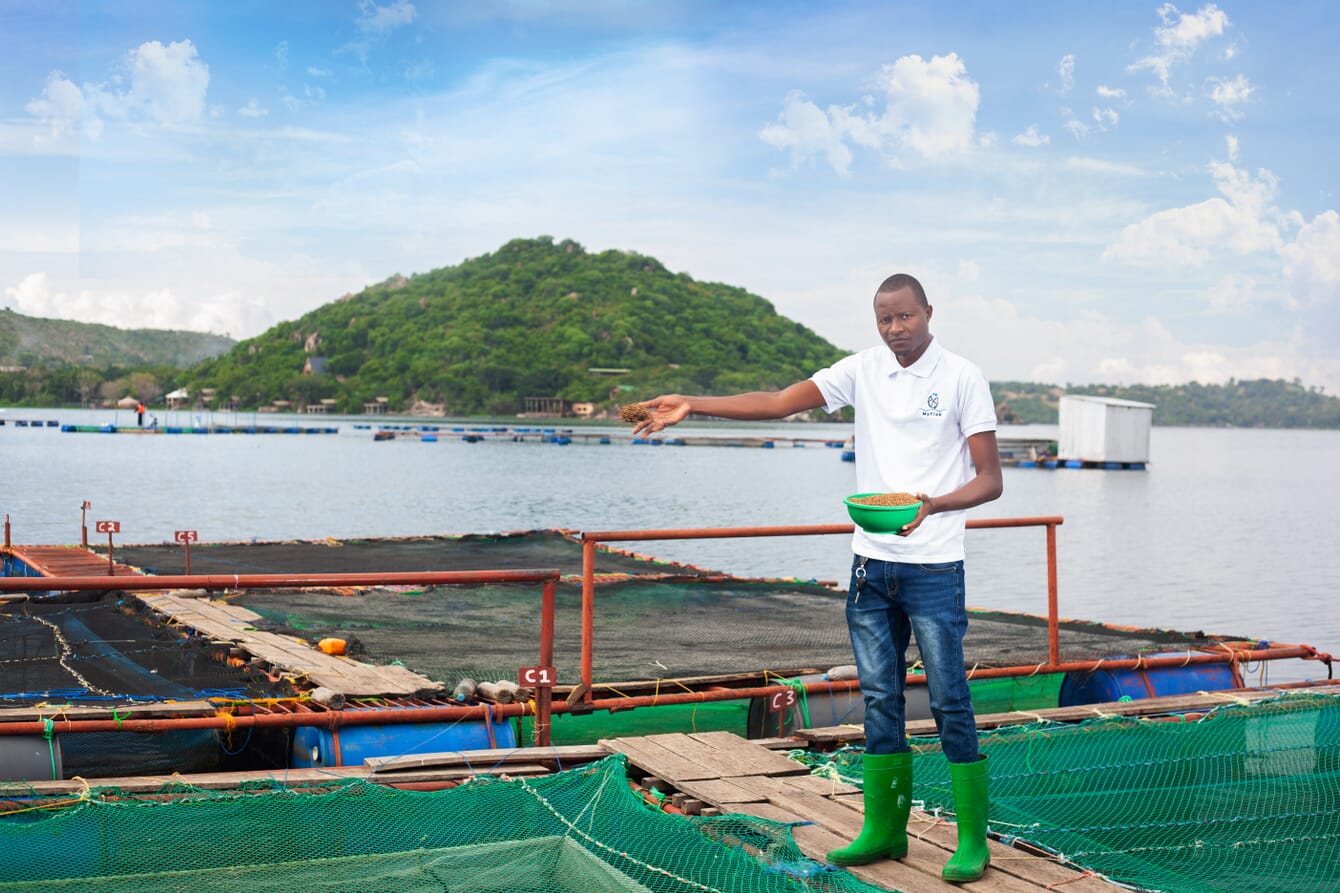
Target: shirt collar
point(924, 365)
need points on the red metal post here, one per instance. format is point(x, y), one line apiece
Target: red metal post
point(83, 523)
point(6, 530)
point(187, 544)
point(544, 693)
point(1053, 610)
point(588, 611)
point(111, 568)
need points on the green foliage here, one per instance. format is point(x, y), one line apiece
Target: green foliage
point(51, 343)
point(529, 320)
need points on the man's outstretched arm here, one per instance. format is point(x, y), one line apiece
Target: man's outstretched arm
point(672, 408)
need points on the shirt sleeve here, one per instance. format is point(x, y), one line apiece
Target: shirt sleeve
point(977, 411)
point(837, 383)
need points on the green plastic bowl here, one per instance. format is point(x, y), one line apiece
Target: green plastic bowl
point(880, 518)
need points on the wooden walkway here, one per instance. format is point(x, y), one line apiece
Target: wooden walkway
point(70, 561)
point(739, 776)
point(294, 657)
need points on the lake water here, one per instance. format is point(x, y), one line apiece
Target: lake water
point(1228, 531)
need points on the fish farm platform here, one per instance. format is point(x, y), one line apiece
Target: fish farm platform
point(718, 774)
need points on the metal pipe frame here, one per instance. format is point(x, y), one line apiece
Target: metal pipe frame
point(590, 538)
point(247, 717)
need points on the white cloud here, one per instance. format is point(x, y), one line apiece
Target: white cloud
point(59, 106)
point(167, 85)
point(1110, 92)
point(1106, 118)
point(929, 109)
point(1176, 42)
point(805, 130)
point(1236, 291)
point(1096, 348)
point(1066, 69)
point(1243, 224)
point(1228, 93)
point(375, 23)
point(1030, 137)
point(1232, 143)
point(253, 109)
point(374, 19)
point(281, 54)
point(1312, 262)
point(314, 72)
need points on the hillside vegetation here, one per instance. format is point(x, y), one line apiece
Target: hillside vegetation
point(31, 342)
point(532, 319)
point(1262, 403)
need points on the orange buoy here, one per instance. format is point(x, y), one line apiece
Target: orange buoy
point(332, 646)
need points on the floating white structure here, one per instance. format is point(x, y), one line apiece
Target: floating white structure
point(1104, 429)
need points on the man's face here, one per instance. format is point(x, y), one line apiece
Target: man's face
point(904, 324)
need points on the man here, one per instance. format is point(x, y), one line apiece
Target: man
point(925, 423)
point(139, 414)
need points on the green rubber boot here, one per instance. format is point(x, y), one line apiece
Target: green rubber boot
point(888, 801)
point(970, 804)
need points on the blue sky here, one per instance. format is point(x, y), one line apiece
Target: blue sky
point(1121, 193)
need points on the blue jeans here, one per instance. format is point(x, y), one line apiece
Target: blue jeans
point(895, 601)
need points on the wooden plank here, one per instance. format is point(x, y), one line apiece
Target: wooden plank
point(721, 792)
point(721, 763)
point(656, 760)
point(572, 754)
point(61, 712)
point(815, 842)
point(751, 758)
point(825, 787)
point(222, 781)
point(1039, 870)
point(770, 811)
point(832, 735)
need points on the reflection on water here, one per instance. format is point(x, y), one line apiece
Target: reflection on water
point(1229, 531)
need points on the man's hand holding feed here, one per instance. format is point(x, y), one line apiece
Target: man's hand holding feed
point(665, 411)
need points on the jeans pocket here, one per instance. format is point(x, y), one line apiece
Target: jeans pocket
point(943, 567)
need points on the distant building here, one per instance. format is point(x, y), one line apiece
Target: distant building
point(547, 406)
point(376, 407)
point(178, 398)
point(584, 410)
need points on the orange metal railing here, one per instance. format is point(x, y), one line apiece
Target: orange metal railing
point(1053, 664)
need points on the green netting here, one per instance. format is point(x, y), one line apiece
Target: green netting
point(580, 830)
point(1246, 798)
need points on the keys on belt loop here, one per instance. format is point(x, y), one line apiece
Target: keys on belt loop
point(860, 576)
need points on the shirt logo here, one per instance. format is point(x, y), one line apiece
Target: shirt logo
point(932, 408)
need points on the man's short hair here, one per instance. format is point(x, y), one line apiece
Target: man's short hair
point(900, 281)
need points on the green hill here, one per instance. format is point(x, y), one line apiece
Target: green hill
point(532, 319)
point(34, 343)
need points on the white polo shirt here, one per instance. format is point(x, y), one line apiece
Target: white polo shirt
point(912, 430)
